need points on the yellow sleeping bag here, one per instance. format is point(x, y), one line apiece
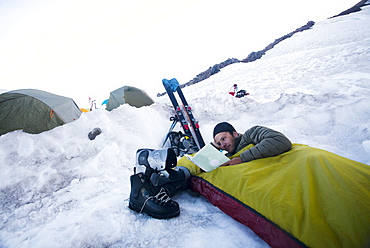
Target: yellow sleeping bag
point(304, 197)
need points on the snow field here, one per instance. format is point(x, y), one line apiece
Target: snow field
point(59, 189)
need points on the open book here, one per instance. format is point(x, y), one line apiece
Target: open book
point(208, 158)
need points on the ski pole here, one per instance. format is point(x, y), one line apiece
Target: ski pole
point(175, 120)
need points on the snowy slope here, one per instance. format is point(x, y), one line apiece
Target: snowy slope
point(59, 189)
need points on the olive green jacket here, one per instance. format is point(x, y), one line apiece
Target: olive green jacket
point(267, 143)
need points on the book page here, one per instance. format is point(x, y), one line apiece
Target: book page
point(208, 158)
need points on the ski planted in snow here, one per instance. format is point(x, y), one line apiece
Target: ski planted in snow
point(193, 139)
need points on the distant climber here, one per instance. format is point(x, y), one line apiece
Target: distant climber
point(233, 89)
point(238, 94)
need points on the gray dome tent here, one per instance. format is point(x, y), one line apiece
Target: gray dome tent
point(35, 111)
point(130, 95)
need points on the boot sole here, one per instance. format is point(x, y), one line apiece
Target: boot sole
point(168, 216)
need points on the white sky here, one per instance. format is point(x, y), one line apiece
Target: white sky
point(88, 48)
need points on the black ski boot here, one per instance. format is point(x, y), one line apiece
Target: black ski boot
point(148, 199)
point(149, 161)
point(159, 166)
point(177, 180)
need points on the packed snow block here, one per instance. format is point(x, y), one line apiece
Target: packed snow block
point(306, 197)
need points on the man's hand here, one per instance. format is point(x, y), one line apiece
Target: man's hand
point(233, 161)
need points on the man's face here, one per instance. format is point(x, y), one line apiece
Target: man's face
point(226, 141)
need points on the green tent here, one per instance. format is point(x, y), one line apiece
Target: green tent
point(130, 95)
point(35, 111)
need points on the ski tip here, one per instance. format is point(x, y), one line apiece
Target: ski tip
point(172, 83)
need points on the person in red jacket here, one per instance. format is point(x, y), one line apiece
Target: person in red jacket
point(234, 89)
